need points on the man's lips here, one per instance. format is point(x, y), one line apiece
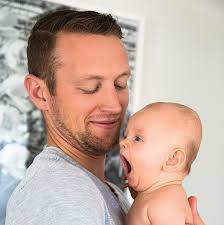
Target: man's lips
point(106, 124)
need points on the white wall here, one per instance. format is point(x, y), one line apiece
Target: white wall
point(184, 62)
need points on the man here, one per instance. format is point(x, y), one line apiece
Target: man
point(78, 72)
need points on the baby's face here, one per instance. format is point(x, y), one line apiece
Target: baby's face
point(151, 137)
point(143, 149)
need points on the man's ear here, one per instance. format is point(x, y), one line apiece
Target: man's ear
point(175, 161)
point(37, 91)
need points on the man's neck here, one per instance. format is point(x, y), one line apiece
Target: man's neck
point(94, 164)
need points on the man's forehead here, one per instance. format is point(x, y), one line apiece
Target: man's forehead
point(91, 57)
point(86, 40)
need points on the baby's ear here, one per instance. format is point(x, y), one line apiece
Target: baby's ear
point(175, 160)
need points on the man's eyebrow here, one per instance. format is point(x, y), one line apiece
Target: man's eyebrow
point(126, 73)
point(98, 77)
point(91, 77)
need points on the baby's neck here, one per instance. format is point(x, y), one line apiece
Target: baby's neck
point(166, 181)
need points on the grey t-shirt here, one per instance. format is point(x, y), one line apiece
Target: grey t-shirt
point(57, 190)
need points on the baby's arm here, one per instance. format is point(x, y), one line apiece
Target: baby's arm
point(137, 214)
point(169, 209)
point(166, 206)
point(165, 214)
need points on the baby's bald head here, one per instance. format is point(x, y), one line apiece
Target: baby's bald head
point(183, 124)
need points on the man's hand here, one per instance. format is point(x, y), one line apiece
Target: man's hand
point(196, 217)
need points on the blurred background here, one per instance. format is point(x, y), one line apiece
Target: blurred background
point(176, 51)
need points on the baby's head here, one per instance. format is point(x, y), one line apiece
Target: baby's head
point(160, 143)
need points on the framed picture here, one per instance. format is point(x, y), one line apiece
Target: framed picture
point(21, 125)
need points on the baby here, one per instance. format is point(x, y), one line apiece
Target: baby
point(160, 143)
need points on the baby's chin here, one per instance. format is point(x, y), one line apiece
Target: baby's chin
point(135, 184)
point(141, 185)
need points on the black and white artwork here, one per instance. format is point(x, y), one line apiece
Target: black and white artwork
point(22, 134)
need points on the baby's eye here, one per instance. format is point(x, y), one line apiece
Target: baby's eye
point(137, 138)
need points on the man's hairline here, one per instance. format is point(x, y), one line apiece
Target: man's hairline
point(58, 63)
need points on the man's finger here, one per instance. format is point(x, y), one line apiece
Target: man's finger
point(196, 217)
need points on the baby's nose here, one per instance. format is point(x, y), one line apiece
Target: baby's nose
point(124, 143)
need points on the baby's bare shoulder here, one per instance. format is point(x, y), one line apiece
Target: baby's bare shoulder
point(168, 204)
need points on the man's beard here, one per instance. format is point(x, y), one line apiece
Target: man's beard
point(85, 140)
point(98, 145)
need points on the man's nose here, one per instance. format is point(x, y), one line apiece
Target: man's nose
point(111, 101)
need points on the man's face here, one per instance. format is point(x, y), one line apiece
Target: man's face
point(91, 91)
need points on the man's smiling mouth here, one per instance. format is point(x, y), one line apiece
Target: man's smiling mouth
point(106, 124)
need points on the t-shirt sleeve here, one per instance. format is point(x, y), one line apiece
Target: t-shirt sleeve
point(63, 201)
point(79, 204)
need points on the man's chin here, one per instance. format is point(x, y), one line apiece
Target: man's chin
point(106, 145)
point(100, 141)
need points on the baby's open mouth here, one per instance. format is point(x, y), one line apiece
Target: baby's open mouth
point(126, 165)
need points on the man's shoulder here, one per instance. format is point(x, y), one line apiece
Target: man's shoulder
point(54, 174)
point(54, 187)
